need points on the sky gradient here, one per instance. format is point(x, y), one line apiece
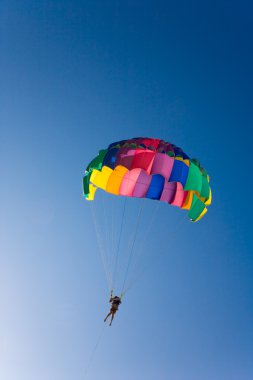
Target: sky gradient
point(75, 76)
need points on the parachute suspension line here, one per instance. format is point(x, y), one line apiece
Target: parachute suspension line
point(106, 235)
point(115, 219)
point(100, 244)
point(112, 236)
point(141, 250)
point(147, 232)
point(132, 245)
point(94, 351)
point(118, 246)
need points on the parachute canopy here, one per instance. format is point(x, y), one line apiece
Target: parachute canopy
point(150, 168)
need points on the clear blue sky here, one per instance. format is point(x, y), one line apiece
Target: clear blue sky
point(75, 76)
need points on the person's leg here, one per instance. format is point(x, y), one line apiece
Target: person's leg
point(107, 316)
point(111, 319)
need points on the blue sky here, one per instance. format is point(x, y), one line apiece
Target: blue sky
point(75, 76)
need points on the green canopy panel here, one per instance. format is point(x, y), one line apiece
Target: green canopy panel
point(196, 209)
point(194, 179)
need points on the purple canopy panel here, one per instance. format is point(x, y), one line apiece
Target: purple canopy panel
point(163, 165)
point(142, 185)
point(125, 157)
point(169, 191)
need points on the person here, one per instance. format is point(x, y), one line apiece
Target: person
point(115, 301)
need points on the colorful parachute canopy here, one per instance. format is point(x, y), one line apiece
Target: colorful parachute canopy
point(150, 168)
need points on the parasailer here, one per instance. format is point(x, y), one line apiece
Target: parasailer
point(115, 301)
point(147, 168)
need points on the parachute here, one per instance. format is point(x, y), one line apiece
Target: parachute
point(150, 168)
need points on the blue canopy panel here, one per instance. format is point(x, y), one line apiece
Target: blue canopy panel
point(110, 158)
point(156, 187)
point(179, 172)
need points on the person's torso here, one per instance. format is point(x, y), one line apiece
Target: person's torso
point(116, 301)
